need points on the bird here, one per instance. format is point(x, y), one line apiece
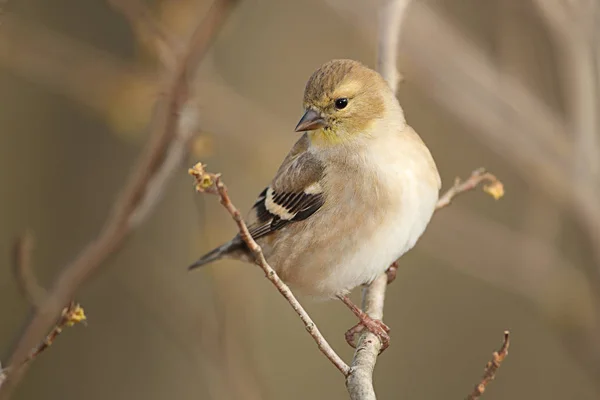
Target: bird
point(354, 194)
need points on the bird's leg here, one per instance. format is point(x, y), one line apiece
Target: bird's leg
point(391, 272)
point(374, 326)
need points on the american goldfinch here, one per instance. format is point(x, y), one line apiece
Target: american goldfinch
point(353, 195)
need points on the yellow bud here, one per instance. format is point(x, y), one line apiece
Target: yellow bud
point(495, 189)
point(76, 315)
point(205, 181)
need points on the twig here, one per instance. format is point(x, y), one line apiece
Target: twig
point(494, 187)
point(491, 368)
point(211, 183)
point(36, 295)
point(119, 223)
point(70, 315)
point(26, 280)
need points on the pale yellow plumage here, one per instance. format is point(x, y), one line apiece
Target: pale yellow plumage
point(355, 192)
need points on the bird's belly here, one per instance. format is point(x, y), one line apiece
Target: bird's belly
point(322, 262)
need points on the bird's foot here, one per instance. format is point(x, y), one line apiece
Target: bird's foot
point(375, 326)
point(391, 272)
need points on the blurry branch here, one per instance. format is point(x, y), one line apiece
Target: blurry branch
point(176, 153)
point(149, 29)
point(572, 24)
point(97, 79)
point(26, 280)
point(123, 93)
point(491, 368)
point(211, 183)
point(391, 17)
point(518, 125)
point(135, 193)
point(2, 11)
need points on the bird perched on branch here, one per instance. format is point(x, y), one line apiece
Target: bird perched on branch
point(352, 196)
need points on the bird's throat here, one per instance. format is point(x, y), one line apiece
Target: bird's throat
point(325, 137)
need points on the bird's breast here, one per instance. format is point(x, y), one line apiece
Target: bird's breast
point(372, 215)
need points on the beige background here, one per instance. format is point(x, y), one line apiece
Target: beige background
point(76, 91)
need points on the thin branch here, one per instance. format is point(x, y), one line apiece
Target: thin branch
point(26, 280)
point(120, 224)
point(360, 380)
point(491, 368)
point(494, 187)
point(70, 315)
point(211, 183)
point(36, 295)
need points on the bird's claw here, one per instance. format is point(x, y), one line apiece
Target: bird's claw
point(375, 326)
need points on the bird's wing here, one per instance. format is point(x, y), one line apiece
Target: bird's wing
point(294, 194)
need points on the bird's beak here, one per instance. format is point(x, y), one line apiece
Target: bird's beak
point(310, 121)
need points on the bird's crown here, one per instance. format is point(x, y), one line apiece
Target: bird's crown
point(334, 76)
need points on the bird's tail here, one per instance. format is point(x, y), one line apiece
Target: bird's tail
point(226, 250)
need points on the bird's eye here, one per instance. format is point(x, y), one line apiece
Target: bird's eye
point(341, 103)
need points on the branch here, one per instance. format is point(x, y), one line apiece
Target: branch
point(360, 381)
point(572, 25)
point(149, 29)
point(211, 183)
point(494, 187)
point(491, 368)
point(135, 194)
point(26, 280)
point(70, 315)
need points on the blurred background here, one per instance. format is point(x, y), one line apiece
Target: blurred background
point(509, 85)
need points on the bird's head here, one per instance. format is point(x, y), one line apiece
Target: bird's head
point(341, 100)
